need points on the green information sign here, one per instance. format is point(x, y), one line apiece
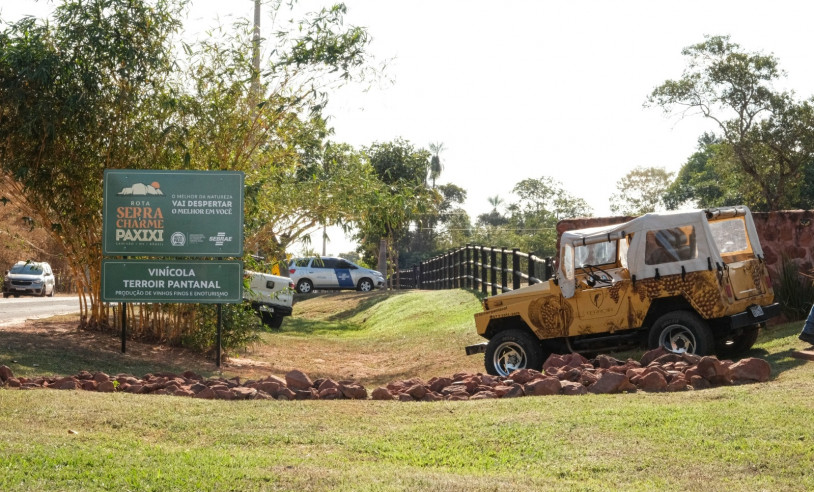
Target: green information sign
point(172, 213)
point(210, 282)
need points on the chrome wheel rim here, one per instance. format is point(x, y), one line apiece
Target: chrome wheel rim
point(509, 357)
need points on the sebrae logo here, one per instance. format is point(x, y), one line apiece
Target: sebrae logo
point(139, 221)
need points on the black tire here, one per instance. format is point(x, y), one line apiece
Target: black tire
point(365, 285)
point(511, 350)
point(5, 296)
point(272, 321)
point(44, 289)
point(305, 286)
point(53, 289)
point(680, 332)
point(737, 345)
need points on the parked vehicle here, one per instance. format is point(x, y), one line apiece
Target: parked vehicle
point(271, 296)
point(327, 272)
point(32, 278)
point(691, 281)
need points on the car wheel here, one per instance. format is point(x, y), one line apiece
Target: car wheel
point(51, 294)
point(511, 350)
point(365, 285)
point(682, 332)
point(732, 346)
point(305, 286)
point(272, 321)
point(5, 296)
point(42, 294)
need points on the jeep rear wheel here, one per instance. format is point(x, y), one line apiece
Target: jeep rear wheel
point(682, 332)
point(365, 285)
point(305, 286)
point(511, 350)
point(736, 345)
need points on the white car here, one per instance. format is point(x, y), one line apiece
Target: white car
point(326, 272)
point(31, 278)
point(271, 296)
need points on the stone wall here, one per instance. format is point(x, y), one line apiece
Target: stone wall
point(787, 232)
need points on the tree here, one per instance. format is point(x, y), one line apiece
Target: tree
point(76, 96)
point(641, 191)
point(706, 179)
point(435, 162)
point(770, 135)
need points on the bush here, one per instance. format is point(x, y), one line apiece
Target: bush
point(794, 291)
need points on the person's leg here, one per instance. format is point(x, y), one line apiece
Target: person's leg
point(807, 335)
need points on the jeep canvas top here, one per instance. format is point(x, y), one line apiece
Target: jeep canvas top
point(691, 281)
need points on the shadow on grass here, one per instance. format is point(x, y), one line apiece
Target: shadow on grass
point(62, 353)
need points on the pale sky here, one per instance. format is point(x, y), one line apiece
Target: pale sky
point(525, 89)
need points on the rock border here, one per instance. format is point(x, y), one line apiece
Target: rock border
point(569, 374)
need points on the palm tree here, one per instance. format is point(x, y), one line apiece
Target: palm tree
point(495, 201)
point(435, 163)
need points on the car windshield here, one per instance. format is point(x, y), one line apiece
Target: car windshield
point(27, 269)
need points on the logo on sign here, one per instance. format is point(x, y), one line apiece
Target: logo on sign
point(178, 239)
point(220, 239)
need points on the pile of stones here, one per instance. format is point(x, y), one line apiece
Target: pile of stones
point(569, 374)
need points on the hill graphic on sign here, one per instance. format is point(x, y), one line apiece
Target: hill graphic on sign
point(141, 189)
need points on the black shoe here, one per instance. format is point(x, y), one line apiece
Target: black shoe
point(807, 337)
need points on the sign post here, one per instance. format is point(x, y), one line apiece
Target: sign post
point(161, 213)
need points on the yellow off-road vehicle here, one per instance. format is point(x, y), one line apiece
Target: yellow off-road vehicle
point(692, 281)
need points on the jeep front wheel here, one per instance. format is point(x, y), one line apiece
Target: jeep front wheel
point(682, 332)
point(511, 350)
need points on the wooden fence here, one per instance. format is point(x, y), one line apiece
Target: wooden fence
point(478, 268)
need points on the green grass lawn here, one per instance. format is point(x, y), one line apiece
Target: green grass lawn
point(751, 437)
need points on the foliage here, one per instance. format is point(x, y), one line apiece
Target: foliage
point(768, 135)
point(530, 224)
point(794, 290)
point(436, 167)
point(75, 97)
point(641, 191)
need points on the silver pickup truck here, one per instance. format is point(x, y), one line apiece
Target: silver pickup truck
point(271, 296)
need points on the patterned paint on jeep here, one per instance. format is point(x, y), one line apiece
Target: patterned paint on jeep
point(551, 316)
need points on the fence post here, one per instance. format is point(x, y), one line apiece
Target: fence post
point(493, 268)
point(456, 269)
point(531, 269)
point(483, 269)
point(503, 272)
point(447, 270)
point(515, 269)
point(468, 267)
point(549, 268)
point(420, 278)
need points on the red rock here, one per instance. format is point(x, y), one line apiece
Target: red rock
point(285, 393)
point(224, 394)
point(381, 393)
point(325, 384)
point(751, 369)
point(523, 376)
point(297, 380)
point(417, 391)
point(515, 391)
point(244, 393)
point(353, 391)
point(330, 393)
point(652, 355)
point(714, 371)
point(404, 397)
point(678, 383)
point(270, 387)
point(5, 373)
point(698, 382)
point(14, 383)
point(608, 382)
point(483, 395)
point(106, 387)
point(572, 388)
point(652, 381)
point(542, 387)
point(438, 384)
point(89, 385)
point(432, 396)
point(207, 394)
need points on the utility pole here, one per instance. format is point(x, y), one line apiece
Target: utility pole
point(255, 88)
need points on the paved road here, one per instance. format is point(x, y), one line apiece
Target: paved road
point(16, 310)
